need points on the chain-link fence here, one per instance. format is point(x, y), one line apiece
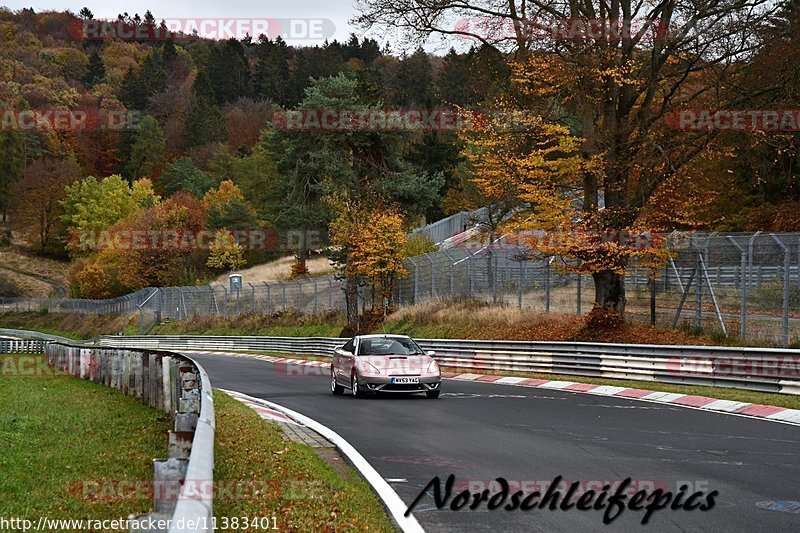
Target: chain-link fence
point(731, 285)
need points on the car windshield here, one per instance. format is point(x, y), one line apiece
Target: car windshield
point(389, 346)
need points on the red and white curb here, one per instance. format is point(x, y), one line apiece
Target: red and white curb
point(764, 412)
point(770, 413)
point(264, 412)
point(269, 358)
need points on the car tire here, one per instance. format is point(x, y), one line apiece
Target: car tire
point(335, 387)
point(355, 388)
point(432, 394)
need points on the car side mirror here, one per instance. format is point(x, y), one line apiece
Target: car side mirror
point(431, 353)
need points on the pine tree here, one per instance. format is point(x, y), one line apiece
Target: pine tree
point(204, 122)
point(12, 166)
point(271, 74)
point(147, 151)
point(96, 72)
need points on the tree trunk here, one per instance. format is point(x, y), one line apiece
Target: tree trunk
point(351, 302)
point(609, 291)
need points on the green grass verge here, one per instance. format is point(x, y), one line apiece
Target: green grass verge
point(59, 434)
point(70, 325)
point(298, 488)
point(304, 330)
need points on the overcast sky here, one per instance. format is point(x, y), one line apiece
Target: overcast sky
point(336, 14)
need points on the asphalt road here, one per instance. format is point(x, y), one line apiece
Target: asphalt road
point(481, 431)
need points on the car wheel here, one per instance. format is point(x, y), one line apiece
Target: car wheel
point(335, 387)
point(432, 393)
point(354, 390)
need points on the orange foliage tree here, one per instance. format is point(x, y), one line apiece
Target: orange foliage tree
point(374, 240)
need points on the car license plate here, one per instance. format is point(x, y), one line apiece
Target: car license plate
point(403, 381)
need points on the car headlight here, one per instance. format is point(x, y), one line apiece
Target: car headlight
point(369, 368)
point(433, 368)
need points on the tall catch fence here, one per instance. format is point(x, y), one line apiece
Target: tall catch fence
point(739, 285)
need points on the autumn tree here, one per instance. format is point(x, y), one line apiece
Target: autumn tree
point(225, 252)
point(614, 87)
point(38, 205)
point(362, 167)
point(373, 240)
point(93, 205)
point(227, 208)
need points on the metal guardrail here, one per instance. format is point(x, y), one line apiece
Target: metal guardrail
point(21, 346)
point(26, 334)
point(175, 384)
point(757, 369)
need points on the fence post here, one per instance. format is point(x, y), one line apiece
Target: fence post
point(314, 305)
point(491, 274)
point(433, 275)
point(416, 279)
point(519, 283)
point(698, 293)
point(742, 281)
point(786, 266)
point(579, 294)
point(452, 269)
point(330, 292)
point(469, 273)
point(547, 284)
point(299, 296)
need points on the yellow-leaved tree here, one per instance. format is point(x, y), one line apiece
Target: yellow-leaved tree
point(373, 242)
